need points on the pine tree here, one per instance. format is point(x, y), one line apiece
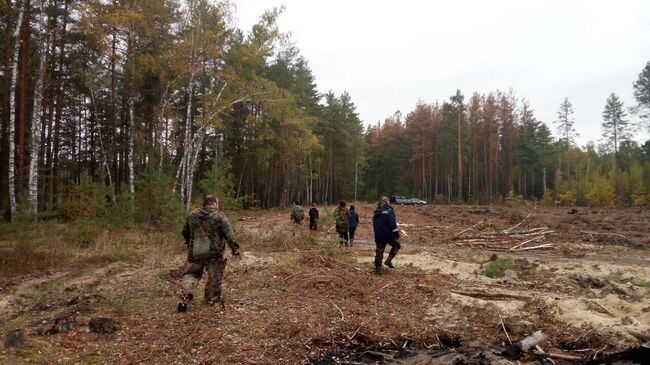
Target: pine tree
point(565, 123)
point(615, 129)
point(642, 94)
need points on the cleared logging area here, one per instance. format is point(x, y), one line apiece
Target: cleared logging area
point(469, 282)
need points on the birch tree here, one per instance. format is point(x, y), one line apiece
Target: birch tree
point(44, 40)
point(12, 112)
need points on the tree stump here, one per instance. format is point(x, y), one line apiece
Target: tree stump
point(15, 339)
point(103, 325)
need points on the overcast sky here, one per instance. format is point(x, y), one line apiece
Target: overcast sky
point(389, 54)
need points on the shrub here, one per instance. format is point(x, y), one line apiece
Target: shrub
point(513, 199)
point(219, 181)
point(87, 199)
point(496, 268)
point(601, 193)
point(567, 198)
point(641, 199)
point(156, 203)
point(549, 198)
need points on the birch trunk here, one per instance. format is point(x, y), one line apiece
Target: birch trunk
point(102, 151)
point(198, 140)
point(132, 126)
point(37, 113)
point(184, 168)
point(12, 114)
point(130, 161)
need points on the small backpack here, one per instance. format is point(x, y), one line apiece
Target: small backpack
point(297, 214)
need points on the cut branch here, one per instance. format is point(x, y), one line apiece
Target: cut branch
point(496, 296)
point(518, 224)
point(457, 236)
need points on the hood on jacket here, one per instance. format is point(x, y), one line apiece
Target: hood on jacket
point(205, 212)
point(381, 208)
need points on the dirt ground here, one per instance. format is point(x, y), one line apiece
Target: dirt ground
point(297, 297)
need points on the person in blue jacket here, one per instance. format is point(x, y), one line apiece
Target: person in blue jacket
point(384, 224)
point(354, 222)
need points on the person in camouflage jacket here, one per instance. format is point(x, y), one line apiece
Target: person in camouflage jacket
point(342, 217)
point(206, 232)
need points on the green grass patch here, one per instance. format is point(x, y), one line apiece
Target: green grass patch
point(497, 268)
point(94, 359)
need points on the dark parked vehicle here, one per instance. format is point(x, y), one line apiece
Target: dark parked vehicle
point(400, 200)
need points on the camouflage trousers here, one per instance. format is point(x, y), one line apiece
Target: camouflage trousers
point(192, 273)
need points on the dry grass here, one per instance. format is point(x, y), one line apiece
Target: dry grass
point(29, 248)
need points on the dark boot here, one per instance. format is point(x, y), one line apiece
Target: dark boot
point(182, 307)
point(378, 270)
point(185, 299)
point(389, 262)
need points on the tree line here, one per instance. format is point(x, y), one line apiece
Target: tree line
point(492, 148)
point(120, 101)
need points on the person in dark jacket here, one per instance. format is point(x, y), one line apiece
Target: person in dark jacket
point(313, 217)
point(354, 222)
point(384, 224)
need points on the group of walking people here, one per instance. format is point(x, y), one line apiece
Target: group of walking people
point(384, 224)
point(207, 232)
point(346, 219)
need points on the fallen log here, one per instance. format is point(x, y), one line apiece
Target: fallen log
point(605, 309)
point(556, 356)
point(604, 234)
point(528, 234)
point(546, 245)
point(640, 335)
point(525, 242)
point(537, 230)
point(495, 296)
point(515, 350)
point(511, 235)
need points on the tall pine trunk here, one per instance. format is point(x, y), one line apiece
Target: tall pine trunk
point(460, 156)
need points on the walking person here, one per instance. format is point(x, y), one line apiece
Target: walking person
point(313, 217)
point(384, 224)
point(297, 216)
point(342, 216)
point(206, 232)
point(354, 222)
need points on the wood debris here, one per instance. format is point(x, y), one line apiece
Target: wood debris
point(504, 240)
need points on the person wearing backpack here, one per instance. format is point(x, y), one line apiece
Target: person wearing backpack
point(313, 217)
point(206, 232)
point(297, 216)
point(342, 216)
point(354, 222)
